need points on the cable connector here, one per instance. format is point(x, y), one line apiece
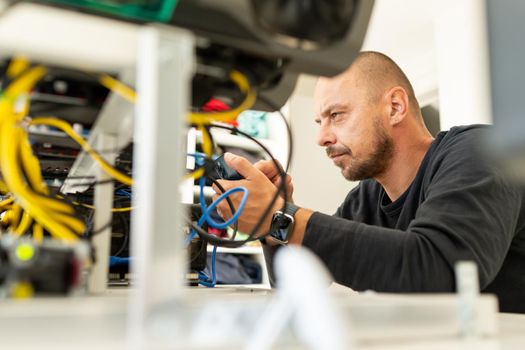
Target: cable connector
point(223, 171)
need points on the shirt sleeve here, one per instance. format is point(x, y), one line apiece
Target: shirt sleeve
point(469, 213)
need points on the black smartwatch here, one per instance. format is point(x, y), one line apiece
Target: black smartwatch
point(282, 223)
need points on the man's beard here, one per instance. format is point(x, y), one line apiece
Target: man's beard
point(371, 167)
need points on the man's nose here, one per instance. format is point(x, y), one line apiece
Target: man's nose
point(325, 136)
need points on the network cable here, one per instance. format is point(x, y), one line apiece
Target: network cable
point(203, 278)
point(206, 210)
point(206, 218)
point(281, 189)
point(202, 121)
point(20, 168)
point(68, 129)
point(196, 118)
point(242, 82)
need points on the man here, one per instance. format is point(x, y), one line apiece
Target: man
point(422, 205)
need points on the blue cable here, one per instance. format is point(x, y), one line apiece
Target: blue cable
point(204, 279)
point(118, 261)
point(206, 217)
point(123, 193)
point(199, 157)
point(207, 210)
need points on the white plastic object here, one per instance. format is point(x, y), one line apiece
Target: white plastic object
point(302, 299)
point(468, 296)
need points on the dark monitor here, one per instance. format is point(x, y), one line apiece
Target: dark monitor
point(275, 40)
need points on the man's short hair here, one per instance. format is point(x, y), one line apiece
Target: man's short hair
point(376, 70)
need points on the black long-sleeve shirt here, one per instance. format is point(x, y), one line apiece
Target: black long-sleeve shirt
point(457, 208)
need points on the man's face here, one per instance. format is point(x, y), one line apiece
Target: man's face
point(352, 129)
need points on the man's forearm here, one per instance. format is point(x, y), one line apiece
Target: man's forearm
point(301, 220)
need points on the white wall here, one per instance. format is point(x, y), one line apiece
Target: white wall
point(462, 56)
point(405, 31)
point(442, 47)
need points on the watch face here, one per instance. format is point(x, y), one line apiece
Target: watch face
point(280, 226)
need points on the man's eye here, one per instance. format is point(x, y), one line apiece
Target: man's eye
point(334, 115)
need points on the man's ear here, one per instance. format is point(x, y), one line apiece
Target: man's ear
point(397, 98)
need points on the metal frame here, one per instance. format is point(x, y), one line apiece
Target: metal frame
point(116, 119)
point(164, 67)
point(103, 198)
point(163, 58)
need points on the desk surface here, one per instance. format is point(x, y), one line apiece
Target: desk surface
point(99, 322)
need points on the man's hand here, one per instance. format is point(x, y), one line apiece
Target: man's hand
point(260, 193)
point(267, 167)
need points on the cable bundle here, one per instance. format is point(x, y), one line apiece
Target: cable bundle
point(33, 206)
point(28, 202)
point(203, 121)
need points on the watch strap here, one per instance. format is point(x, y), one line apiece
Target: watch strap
point(291, 209)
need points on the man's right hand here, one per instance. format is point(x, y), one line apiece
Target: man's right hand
point(267, 167)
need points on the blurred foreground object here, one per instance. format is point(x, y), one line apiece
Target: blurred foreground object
point(28, 268)
point(505, 31)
